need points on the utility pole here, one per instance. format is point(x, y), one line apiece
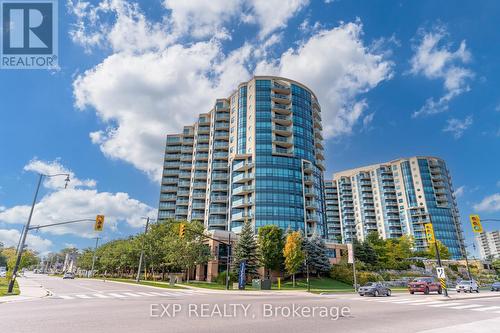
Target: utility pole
point(93, 257)
point(228, 263)
point(138, 278)
point(26, 228)
point(354, 268)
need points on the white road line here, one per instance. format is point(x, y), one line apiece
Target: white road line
point(116, 295)
point(169, 294)
point(65, 297)
point(100, 296)
point(426, 303)
point(156, 294)
point(145, 294)
point(469, 306)
point(410, 301)
point(443, 304)
point(487, 308)
point(131, 294)
point(82, 296)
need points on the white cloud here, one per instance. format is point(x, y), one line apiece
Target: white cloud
point(490, 203)
point(457, 127)
point(10, 237)
point(143, 94)
point(459, 192)
point(339, 68)
point(274, 14)
point(74, 203)
point(436, 61)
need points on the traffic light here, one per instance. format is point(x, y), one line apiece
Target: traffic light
point(182, 230)
point(99, 223)
point(476, 223)
point(429, 233)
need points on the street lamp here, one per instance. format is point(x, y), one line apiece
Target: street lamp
point(27, 226)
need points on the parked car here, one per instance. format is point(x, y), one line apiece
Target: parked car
point(495, 286)
point(3, 274)
point(374, 289)
point(424, 285)
point(69, 275)
point(467, 286)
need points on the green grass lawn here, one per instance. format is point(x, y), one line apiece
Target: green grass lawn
point(4, 285)
point(160, 284)
point(318, 285)
point(203, 284)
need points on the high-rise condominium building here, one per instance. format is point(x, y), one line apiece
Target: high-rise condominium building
point(489, 244)
point(394, 199)
point(257, 155)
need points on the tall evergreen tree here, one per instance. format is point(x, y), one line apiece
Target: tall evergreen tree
point(316, 255)
point(246, 249)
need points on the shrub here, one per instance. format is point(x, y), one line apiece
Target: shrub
point(221, 278)
point(365, 277)
point(342, 272)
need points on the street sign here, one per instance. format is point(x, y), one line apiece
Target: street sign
point(440, 273)
point(429, 233)
point(350, 254)
point(99, 223)
point(241, 275)
point(475, 221)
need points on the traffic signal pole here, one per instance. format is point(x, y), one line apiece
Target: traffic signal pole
point(93, 257)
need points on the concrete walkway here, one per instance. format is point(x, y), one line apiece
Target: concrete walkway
point(29, 290)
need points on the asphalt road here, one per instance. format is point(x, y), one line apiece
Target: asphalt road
point(82, 305)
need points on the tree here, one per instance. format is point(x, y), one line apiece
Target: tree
point(294, 255)
point(270, 242)
point(84, 260)
point(3, 258)
point(246, 249)
point(444, 253)
point(316, 255)
point(496, 265)
point(28, 259)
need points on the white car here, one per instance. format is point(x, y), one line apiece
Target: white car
point(467, 286)
point(3, 274)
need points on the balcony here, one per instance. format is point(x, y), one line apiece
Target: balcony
point(202, 147)
point(185, 166)
point(242, 166)
point(220, 145)
point(197, 216)
point(282, 151)
point(242, 216)
point(186, 157)
point(187, 149)
point(172, 156)
point(222, 126)
point(203, 138)
point(309, 192)
point(217, 222)
point(203, 129)
point(308, 180)
point(243, 178)
point(311, 218)
point(200, 175)
point(184, 183)
point(280, 88)
point(168, 189)
point(282, 130)
point(202, 156)
point(199, 185)
point(201, 165)
point(222, 116)
point(218, 187)
point(281, 109)
point(198, 195)
point(198, 206)
point(281, 98)
point(168, 197)
point(310, 204)
point(219, 166)
point(169, 165)
point(218, 210)
point(218, 198)
point(183, 193)
point(307, 169)
point(318, 135)
point(241, 190)
point(220, 155)
point(241, 203)
point(282, 119)
point(184, 174)
point(282, 141)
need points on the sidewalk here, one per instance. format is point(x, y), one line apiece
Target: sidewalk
point(29, 290)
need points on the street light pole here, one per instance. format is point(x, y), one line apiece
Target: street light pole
point(138, 278)
point(26, 228)
point(228, 264)
point(93, 257)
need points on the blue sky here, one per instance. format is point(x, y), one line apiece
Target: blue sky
point(394, 79)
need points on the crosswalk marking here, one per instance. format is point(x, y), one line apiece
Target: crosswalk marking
point(146, 294)
point(487, 308)
point(82, 296)
point(469, 306)
point(427, 303)
point(100, 296)
point(131, 294)
point(443, 304)
point(157, 294)
point(66, 297)
point(411, 301)
point(394, 300)
point(117, 295)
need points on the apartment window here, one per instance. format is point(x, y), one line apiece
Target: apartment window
point(400, 200)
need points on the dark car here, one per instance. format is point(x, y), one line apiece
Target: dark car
point(495, 286)
point(424, 285)
point(374, 289)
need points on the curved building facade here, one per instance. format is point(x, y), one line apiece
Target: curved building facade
point(257, 156)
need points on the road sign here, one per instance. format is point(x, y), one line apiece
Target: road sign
point(99, 223)
point(429, 233)
point(475, 221)
point(440, 273)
